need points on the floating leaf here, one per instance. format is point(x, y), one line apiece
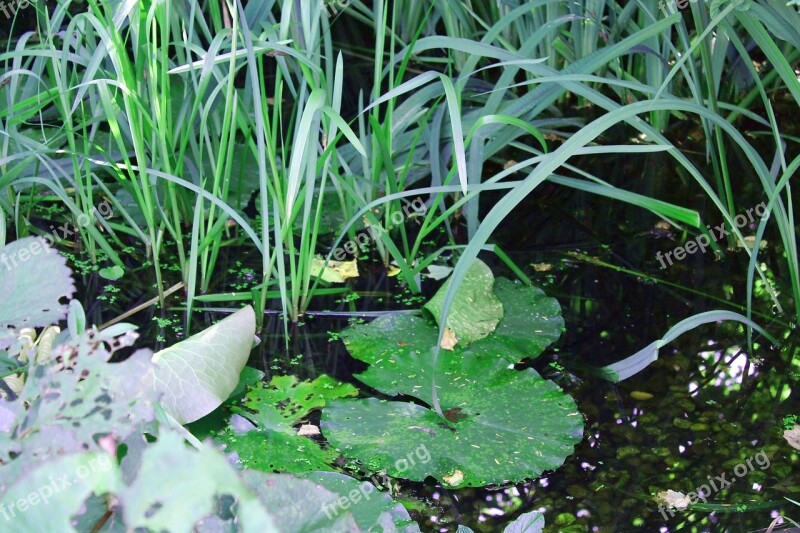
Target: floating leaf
point(399, 347)
point(496, 437)
point(285, 401)
point(792, 436)
point(275, 452)
point(112, 273)
point(488, 435)
point(673, 500)
point(476, 310)
point(33, 279)
point(531, 319)
point(275, 446)
point(198, 374)
point(335, 271)
point(308, 430)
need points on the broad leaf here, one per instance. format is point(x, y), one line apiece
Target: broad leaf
point(372, 509)
point(399, 348)
point(532, 522)
point(285, 401)
point(274, 445)
point(476, 310)
point(276, 452)
point(57, 502)
point(33, 279)
point(198, 374)
point(177, 486)
point(502, 425)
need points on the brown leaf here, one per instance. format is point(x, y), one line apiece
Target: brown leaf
point(454, 414)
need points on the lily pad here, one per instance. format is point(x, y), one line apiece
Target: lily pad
point(274, 445)
point(531, 319)
point(33, 279)
point(276, 452)
point(285, 401)
point(475, 311)
point(501, 426)
point(399, 348)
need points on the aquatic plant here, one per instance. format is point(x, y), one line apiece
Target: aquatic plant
point(117, 428)
point(486, 434)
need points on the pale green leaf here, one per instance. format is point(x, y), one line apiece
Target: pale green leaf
point(198, 374)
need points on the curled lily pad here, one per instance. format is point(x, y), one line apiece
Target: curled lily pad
point(502, 425)
point(198, 374)
point(475, 311)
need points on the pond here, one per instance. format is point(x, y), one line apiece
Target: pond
point(708, 414)
point(358, 265)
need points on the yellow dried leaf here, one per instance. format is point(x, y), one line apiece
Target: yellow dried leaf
point(336, 271)
point(454, 479)
point(449, 339)
point(673, 499)
point(308, 430)
point(663, 225)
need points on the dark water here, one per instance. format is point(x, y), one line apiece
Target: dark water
point(704, 409)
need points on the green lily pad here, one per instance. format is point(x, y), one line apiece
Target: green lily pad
point(502, 426)
point(112, 273)
point(531, 320)
point(275, 446)
point(285, 401)
point(499, 424)
point(275, 452)
point(475, 311)
point(399, 348)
